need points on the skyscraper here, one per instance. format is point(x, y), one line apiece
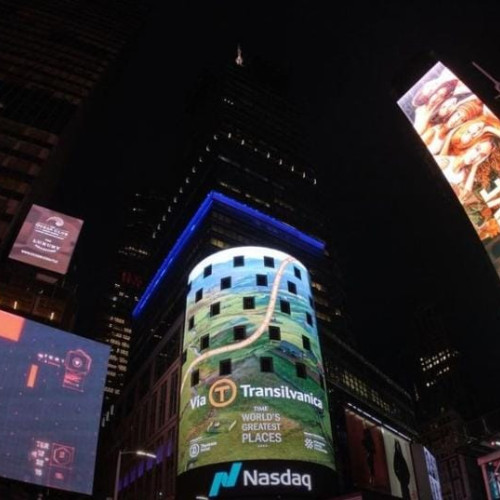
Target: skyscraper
point(246, 183)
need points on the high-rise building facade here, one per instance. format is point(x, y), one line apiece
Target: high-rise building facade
point(247, 183)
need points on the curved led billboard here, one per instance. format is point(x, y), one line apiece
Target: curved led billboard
point(51, 389)
point(253, 406)
point(463, 136)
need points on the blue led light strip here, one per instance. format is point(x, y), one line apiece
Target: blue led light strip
point(200, 214)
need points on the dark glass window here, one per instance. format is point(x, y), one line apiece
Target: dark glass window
point(306, 343)
point(311, 302)
point(301, 370)
point(266, 364)
point(285, 306)
point(199, 295)
point(225, 283)
point(225, 367)
point(195, 378)
point(297, 273)
point(207, 271)
point(268, 262)
point(274, 333)
point(184, 356)
point(309, 319)
point(292, 287)
point(240, 332)
point(248, 302)
point(261, 279)
point(238, 261)
point(191, 323)
point(188, 287)
point(215, 309)
point(204, 342)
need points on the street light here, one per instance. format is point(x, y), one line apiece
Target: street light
point(138, 453)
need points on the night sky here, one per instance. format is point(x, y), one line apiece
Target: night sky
point(401, 238)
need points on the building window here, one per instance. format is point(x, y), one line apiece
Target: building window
point(311, 302)
point(306, 343)
point(292, 287)
point(284, 306)
point(301, 370)
point(215, 309)
point(309, 319)
point(297, 273)
point(225, 367)
point(266, 364)
point(199, 295)
point(204, 342)
point(240, 332)
point(248, 302)
point(207, 271)
point(238, 261)
point(225, 283)
point(261, 279)
point(274, 333)
point(268, 262)
point(195, 377)
point(191, 323)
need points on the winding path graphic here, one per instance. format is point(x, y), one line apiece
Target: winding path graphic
point(258, 332)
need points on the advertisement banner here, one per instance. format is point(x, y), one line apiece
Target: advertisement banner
point(463, 136)
point(47, 239)
point(380, 460)
point(51, 387)
point(252, 383)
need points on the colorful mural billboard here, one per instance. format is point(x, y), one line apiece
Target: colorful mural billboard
point(463, 136)
point(252, 386)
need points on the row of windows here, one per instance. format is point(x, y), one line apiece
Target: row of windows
point(249, 303)
point(260, 280)
point(266, 366)
point(239, 261)
point(240, 333)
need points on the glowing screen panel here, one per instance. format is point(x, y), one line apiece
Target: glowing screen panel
point(252, 386)
point(463, 136)
point(47, 239)
point(51, 389)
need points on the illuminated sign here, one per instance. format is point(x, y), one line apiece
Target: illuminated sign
point(463, 136)
point(52, 384)
point(490, 465)
point(252, 386)
point(47, 239)
point(380, 459)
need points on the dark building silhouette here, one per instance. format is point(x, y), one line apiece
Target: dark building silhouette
point(246, 182)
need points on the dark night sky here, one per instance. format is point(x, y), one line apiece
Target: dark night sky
point(400, 243)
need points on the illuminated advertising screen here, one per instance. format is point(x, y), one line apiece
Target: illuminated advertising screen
point(380, 459)
point(47, 239)
point(253, 404)
point(51, 389)
point(491, 472)
point(463, 136)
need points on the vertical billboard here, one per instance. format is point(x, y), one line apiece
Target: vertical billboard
point(380, 459)
point(490, 465)
point(47, 239)
point(51, 389)
point(463, 136)
point(254, 416)
point(426, 471)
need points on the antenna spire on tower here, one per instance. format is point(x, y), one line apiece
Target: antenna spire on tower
point(239, 57)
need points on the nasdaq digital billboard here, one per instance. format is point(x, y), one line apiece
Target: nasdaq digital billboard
point(47, 239)
point(380, 459)
point(51, 389)
point(252, 386)
point(463, 136)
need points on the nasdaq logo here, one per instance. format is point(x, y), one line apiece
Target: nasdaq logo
point(225, 479)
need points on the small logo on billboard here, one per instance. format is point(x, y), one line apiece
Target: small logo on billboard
point(225, 479)
point(222, 393)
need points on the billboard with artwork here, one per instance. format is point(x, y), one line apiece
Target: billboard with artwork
point(463, 136)
point(47, 239)
point(253, 400)
point(51, 390)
